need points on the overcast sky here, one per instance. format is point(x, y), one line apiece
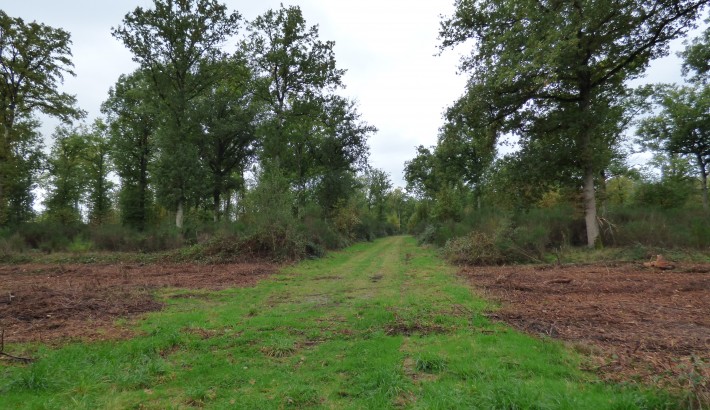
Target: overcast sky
point(388, 48)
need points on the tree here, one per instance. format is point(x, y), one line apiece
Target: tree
point(97, 166)
point(67, 177)
point(229, 120)
point(131, 115)
point(557, 69)
point(378, 189)
point(682, 127)
point(34, 58)
point(178, 43)
point(22, 172)
point(316, 138)
point(339, 151)
point(296, 71)
point(696, 57)
point(466, 148)
point(420, 173)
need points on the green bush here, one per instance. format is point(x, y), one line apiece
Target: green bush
point(658, 227)
point(663, 194)
point(50, 236)
point(272, 228)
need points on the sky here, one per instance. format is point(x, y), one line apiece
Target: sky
point(388, 47)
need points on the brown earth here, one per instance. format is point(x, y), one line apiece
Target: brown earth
point(638, 323)
point(55, 303)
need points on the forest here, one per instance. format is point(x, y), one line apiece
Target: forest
point(218, 236)
point(239, 129)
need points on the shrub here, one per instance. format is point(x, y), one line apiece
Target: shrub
point(50, 236)
point(476, 248)
point(663, 194)
point(659, 227)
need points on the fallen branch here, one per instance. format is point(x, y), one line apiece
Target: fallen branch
point(562, 281)
point(2, 350)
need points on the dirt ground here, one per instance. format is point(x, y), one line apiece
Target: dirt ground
point(55, 303)
point(638, 323)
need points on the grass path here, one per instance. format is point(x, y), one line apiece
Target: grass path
point(379, 325)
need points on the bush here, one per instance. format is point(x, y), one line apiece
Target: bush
point(116, 238)
point(272, 229)
point(663, 194)
point(476, 248)
point(10, 244)
point(50, 236)
point(658, 227)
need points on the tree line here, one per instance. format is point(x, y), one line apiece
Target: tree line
point(228, 120)
point(216, 101)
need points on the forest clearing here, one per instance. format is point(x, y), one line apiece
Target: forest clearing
point(213, 203)
point(378, 325)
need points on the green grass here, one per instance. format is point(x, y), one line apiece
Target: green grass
point(379, 325)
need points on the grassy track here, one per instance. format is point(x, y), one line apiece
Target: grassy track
point(379, 325)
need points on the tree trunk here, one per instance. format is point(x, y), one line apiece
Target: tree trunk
point(590, 208)
point(585, 137)
point(706, 205)
point(3, 203)
point(228, 206)
point(4, 157)
point(216, 199)
point(143, 183)
point(602, 195)
point(180, 214)
point(702, 166)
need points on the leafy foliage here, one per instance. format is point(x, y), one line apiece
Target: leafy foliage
point(553, 72)
point(177, 44)
point(34, 58)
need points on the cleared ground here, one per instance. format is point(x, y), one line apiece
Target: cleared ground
point(55, 303)
point(639, 322)
point(379, 325)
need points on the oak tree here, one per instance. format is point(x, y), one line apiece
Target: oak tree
point(557, 68)
point(34, 58)
point(177, 42)
point(131, 116)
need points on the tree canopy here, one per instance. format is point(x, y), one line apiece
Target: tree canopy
point(556, 71)
point(34, 58)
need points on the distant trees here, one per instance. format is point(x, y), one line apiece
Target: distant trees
point(553, 73)
point(215, 125)
point(187, 126)
point(34, 58)
point(378, 188)
point(681, 125)
point(79, 168)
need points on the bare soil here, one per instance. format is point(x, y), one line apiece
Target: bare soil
point(638, 323)
point(55, 303)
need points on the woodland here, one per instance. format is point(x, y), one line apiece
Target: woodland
point(218, 237)
point(235, 137)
